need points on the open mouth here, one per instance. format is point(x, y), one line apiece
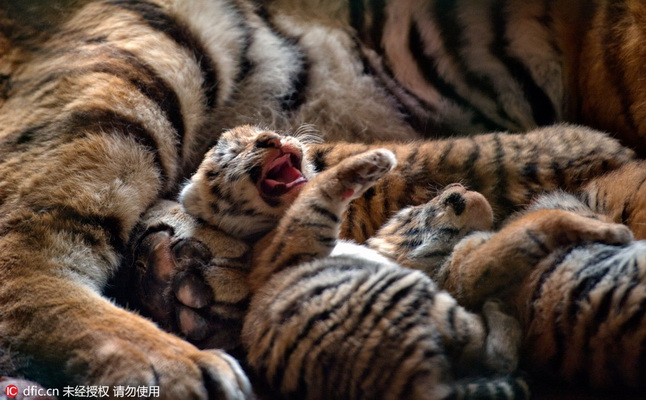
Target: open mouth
point(281, 175)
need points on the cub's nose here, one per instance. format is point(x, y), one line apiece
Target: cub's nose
point(456, 201)
point(268, 140)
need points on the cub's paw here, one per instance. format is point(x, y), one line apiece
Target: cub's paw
point(190, 279)
point(358, 173)
point(601, 232)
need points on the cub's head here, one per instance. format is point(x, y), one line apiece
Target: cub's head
point(424, 236)
point(247, 180)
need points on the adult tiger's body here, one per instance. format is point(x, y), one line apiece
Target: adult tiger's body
point(117, 100)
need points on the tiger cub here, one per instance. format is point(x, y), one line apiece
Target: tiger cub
point(333, 319)
point(249, 178)
point(576, 282)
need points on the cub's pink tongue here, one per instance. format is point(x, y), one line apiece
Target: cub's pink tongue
point(281, 177)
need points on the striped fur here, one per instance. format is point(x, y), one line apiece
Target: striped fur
point(186, 276)
point(619, 195)
point(582, 304)
point(574, 279)
point(509, 170)
point(510, 64)
point(337, 320)
point(106, 105)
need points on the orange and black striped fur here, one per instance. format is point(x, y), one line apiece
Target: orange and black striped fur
point(510, 64)
point(251, 175)
point(575, 280)
point(106, 105)
point(333, 319)
point(620, 195)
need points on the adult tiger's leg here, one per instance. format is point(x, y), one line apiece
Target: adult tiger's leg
point(92, 131)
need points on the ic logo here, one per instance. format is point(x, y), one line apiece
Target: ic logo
point(11, 390)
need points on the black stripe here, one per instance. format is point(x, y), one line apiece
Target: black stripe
point(447, 231)
point(110, 225)
point(556, 262)
point(26, 135)
point(543, 110)
point(279, 249)
point(625, 212)
point(377, 7)
point(547, 21)
point(501, 188)
point(370, 35)
point(325, 213)
point(529, 171)
point(103, 121)
point(128, 67)
point(319, 161)
point(451, 316)
point(366, 230)
point(298, 85)
point(296, 259)
point(413, 231)
point(448, 146)
point(471, 173)
point(533, 237)
point(327, 241)
point(156, 18)
point(600, 316)
point(317, 225)
point(415, 172)
point(635, 321)
point(627, 292)
point(368, 196)
point(245, 64)
point(435, 253)
point(559, 175)
point(427, 66)
point(357, 11)
point(411, 243)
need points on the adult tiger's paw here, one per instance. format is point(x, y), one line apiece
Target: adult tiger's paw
point(144, 356)
point(189, 278)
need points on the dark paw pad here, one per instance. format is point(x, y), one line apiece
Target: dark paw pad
point(180, 285)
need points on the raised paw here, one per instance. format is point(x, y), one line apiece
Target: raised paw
point(190, 279)
point(358, 173)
